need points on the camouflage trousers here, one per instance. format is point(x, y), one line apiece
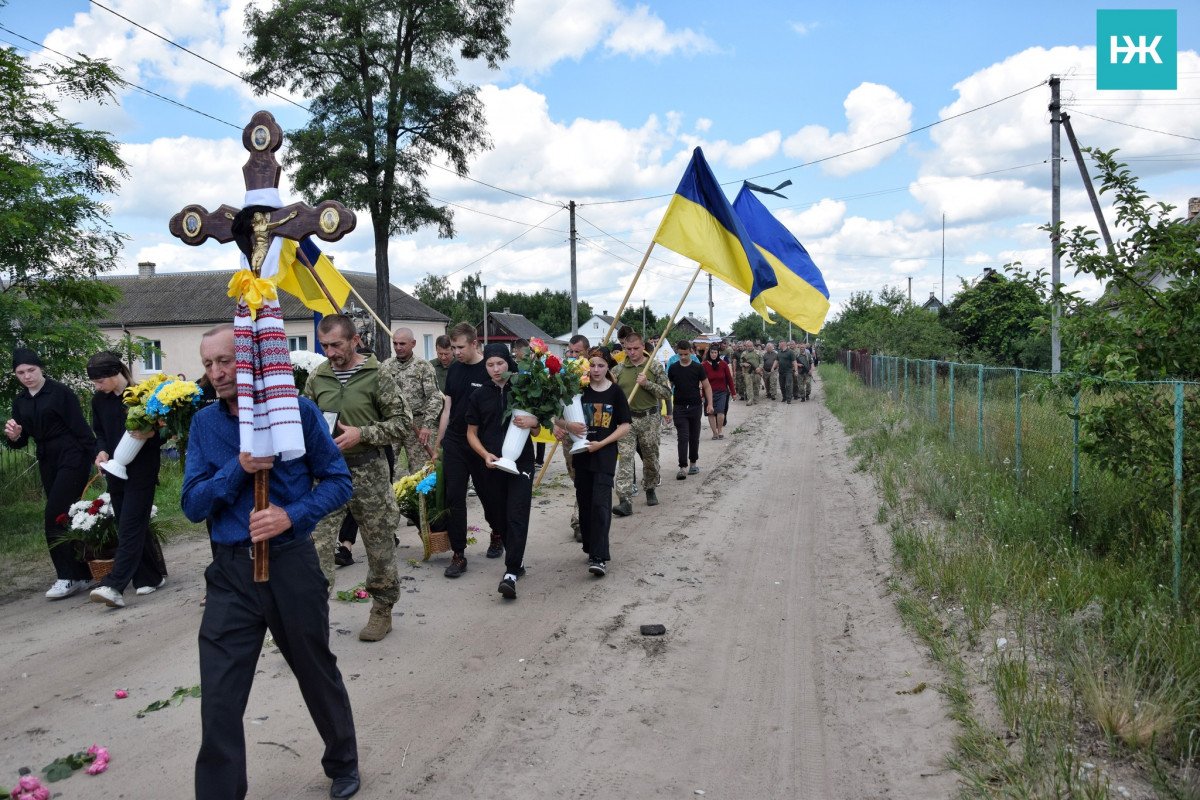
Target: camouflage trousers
point(374, 506)
point(739, 383)
point(803, 386)
point(753, 385)
point(773, 385)
point(416, 455)
point(645, 431)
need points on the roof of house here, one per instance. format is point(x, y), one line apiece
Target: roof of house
point(200, 298)
point(516, 325)
point(688, 319)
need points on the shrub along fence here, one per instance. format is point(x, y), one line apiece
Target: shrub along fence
point(1017, 422)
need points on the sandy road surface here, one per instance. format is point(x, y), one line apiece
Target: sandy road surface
point(777, 678)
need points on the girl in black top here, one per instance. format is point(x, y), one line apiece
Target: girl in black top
point(506, 497)
point(139, 556)
point(607, 419)
point(49, 413)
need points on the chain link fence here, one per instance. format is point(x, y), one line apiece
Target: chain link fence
point(1018, 422)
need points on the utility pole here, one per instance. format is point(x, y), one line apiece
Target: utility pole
point(643, 319)
point(574, 280)
point(943, 259)
point(909, 292)
point(485, 317)
point(1055, 221)
point(712, 328)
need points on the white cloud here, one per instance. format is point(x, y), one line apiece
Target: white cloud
point(820, 220)
point(973, 199)
point(645, 34)
point(1017, 131)
point(737, 156)
point(804, 28)
point(873, 112)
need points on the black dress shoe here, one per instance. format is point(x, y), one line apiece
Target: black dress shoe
point(345, 786)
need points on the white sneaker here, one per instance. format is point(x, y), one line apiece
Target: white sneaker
point(65, 588)
point(145, 590)
point(108, 596)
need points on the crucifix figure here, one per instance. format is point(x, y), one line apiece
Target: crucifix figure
point(267, 405)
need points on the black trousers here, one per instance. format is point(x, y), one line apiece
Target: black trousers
point(460, 462)
point(294, 606)
point(688, 419)
point(593, 492)
point(506, 499)
point(63, 483)
point(138, 556)
point(785, 384)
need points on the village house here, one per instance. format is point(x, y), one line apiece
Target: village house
point(171, 311)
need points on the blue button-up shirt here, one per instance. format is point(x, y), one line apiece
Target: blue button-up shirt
point(216, 486)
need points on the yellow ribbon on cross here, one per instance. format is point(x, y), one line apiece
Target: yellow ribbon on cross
point(255, 291)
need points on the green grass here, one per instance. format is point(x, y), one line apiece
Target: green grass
point(23, 542)
point(1094, 640)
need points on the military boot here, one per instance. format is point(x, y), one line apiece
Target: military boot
point(380, 623)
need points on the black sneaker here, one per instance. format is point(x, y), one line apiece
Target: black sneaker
point(508, 587)
point(596, 567)
point(681, 475)
point(458, 565)
point(496, 548)
point(343, 557)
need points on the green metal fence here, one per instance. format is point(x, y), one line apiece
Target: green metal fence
point(1010, 419)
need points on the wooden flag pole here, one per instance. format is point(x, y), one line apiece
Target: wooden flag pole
point(546, 464)
point(663, 338)
point(636, 275)
point(262, 549)
point(333, 304)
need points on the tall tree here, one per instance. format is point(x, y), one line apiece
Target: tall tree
point(892, 325)
point(999, 321)
point(55, 237)
point(385, 101)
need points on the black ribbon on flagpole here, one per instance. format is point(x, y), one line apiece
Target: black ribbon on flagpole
point(764, 190)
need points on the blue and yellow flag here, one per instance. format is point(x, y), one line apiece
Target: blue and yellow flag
point(801, 295)
point(297, 279)
point(701, 225)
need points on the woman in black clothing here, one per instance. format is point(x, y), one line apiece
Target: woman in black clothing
point(505, 497)
point(139, 557)
point(49, 413)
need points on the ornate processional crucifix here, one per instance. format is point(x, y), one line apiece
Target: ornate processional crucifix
point(254, 226)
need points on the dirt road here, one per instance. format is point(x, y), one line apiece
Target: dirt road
point(777, 677)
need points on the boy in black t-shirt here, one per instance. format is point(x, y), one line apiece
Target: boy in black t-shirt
point(606, 415)
point(693, 401)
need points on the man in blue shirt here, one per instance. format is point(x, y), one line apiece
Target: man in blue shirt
point(218, 484)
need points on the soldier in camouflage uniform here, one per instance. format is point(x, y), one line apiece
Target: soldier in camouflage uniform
point(445, 357)
point(771, 371)
point(419, 385)
point(803, 370)
point(752, 362)
point(645, 429)
point(372, 412)
point(786, 369)
point(735, 364)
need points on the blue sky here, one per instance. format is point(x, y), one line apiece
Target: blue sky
point(603, 101)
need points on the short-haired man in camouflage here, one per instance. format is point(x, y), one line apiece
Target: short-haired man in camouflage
point(645, 428)
point(771, 371)
point(803, 373)
point(440, 364)
point(371, 412)
point(786, 369)
point(735, 363)
point(419, 385)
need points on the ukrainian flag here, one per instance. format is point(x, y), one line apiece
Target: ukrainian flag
point(297, 279)
point(801, 295)
point(701, 225)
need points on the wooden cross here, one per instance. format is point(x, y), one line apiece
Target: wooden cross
point(329, 220)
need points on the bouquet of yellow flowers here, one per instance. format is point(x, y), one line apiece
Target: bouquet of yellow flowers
point(162, 401)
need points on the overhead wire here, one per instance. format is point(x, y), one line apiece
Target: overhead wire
point(528, 230)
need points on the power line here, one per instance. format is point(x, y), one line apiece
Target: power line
point(530, 229)
point(1131, 125)
point(495, 216)
point(124, 82)
point(193, 53)
point(844, 152)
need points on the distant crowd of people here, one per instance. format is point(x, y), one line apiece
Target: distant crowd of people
point(356, 412)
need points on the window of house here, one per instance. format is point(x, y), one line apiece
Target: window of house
point(429, 348)
point(297, 343)
point(152, 356)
